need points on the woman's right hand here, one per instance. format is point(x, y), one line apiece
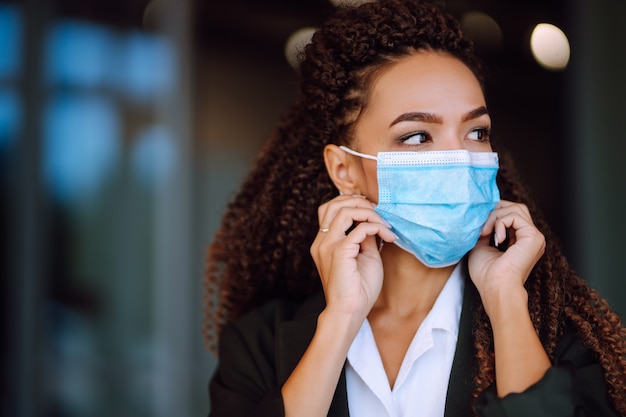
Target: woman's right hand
point(351, 271)
point(349, 265)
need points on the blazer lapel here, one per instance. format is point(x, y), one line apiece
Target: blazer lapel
point(461, 386)
point(292, 339)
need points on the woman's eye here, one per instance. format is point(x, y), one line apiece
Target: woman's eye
point(479, 135)
point(416, 138)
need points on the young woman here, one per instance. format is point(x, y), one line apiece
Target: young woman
point(381, 261)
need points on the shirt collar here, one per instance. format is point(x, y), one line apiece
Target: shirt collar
point(445, 315)
point(446, 311)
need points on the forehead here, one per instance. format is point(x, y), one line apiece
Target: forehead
point(425, 81)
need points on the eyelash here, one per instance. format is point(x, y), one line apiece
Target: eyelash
point(405, 138)
point(485, 132)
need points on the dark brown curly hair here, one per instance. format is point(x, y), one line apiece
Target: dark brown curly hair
point(261, 250)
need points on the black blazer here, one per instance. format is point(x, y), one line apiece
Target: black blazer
point(259, 351)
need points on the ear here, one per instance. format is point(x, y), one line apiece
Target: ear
point(344, 170)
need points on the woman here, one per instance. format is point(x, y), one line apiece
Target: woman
point(349, 304)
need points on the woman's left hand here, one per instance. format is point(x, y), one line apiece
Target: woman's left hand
point(499, 276)
point(496, 273)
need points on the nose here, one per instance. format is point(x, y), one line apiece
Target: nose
point(449, 140)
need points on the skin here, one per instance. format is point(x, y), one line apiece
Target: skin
point(425, 102)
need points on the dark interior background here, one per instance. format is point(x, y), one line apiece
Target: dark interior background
point(127, 125)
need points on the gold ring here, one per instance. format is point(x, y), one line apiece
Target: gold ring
point(324, 229)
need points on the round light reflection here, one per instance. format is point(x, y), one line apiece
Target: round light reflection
point(550, 47)
point(482, 29)
point(296, 43)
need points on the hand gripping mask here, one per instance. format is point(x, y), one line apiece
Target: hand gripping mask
point(436, 202)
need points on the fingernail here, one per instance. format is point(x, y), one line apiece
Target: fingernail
point(495, 239)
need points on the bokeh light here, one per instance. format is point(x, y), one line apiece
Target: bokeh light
point(10, 117)
point(550, 47)
point(154, 155)
point(482, 29)
point(81, 145)
point(296, 43)
point(11, 28)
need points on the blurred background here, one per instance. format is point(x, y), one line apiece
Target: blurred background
point(127, 125)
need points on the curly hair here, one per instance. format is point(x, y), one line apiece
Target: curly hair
point(261, 250)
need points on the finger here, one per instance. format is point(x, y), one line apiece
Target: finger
point(363, 231)
point(328, 211)
point(520, 225)
point(500, 212)
point(340, 217)
point(505, 203)
point(360, 241)
point(347, 216)
point(506, 206)
point(323, 208)
point(525, 236)
point(499, 234)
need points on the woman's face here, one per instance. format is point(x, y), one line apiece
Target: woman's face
point(429, 101)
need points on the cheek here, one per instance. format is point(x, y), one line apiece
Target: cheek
point(475, 146)
point(371, 184)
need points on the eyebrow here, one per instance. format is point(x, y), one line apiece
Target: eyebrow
point(417, 117)
point(475, 114)
point(433, 118)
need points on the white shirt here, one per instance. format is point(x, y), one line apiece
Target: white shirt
point(422, 382)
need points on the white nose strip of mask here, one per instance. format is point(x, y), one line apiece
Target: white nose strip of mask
point(475, 159)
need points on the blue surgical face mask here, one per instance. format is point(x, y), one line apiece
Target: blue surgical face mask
point(436, 202)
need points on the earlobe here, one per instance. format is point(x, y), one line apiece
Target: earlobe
point(340, 169)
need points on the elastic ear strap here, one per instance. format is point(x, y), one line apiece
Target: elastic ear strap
point(355, 153)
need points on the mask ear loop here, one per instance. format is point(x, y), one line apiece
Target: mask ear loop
point(355, 153)
point(366, 156)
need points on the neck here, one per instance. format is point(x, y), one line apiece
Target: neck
point(409, 286)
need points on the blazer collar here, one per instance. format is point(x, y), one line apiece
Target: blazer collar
point(459, 399)
point(294, 336)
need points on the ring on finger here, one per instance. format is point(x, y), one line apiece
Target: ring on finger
point(324, 229)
